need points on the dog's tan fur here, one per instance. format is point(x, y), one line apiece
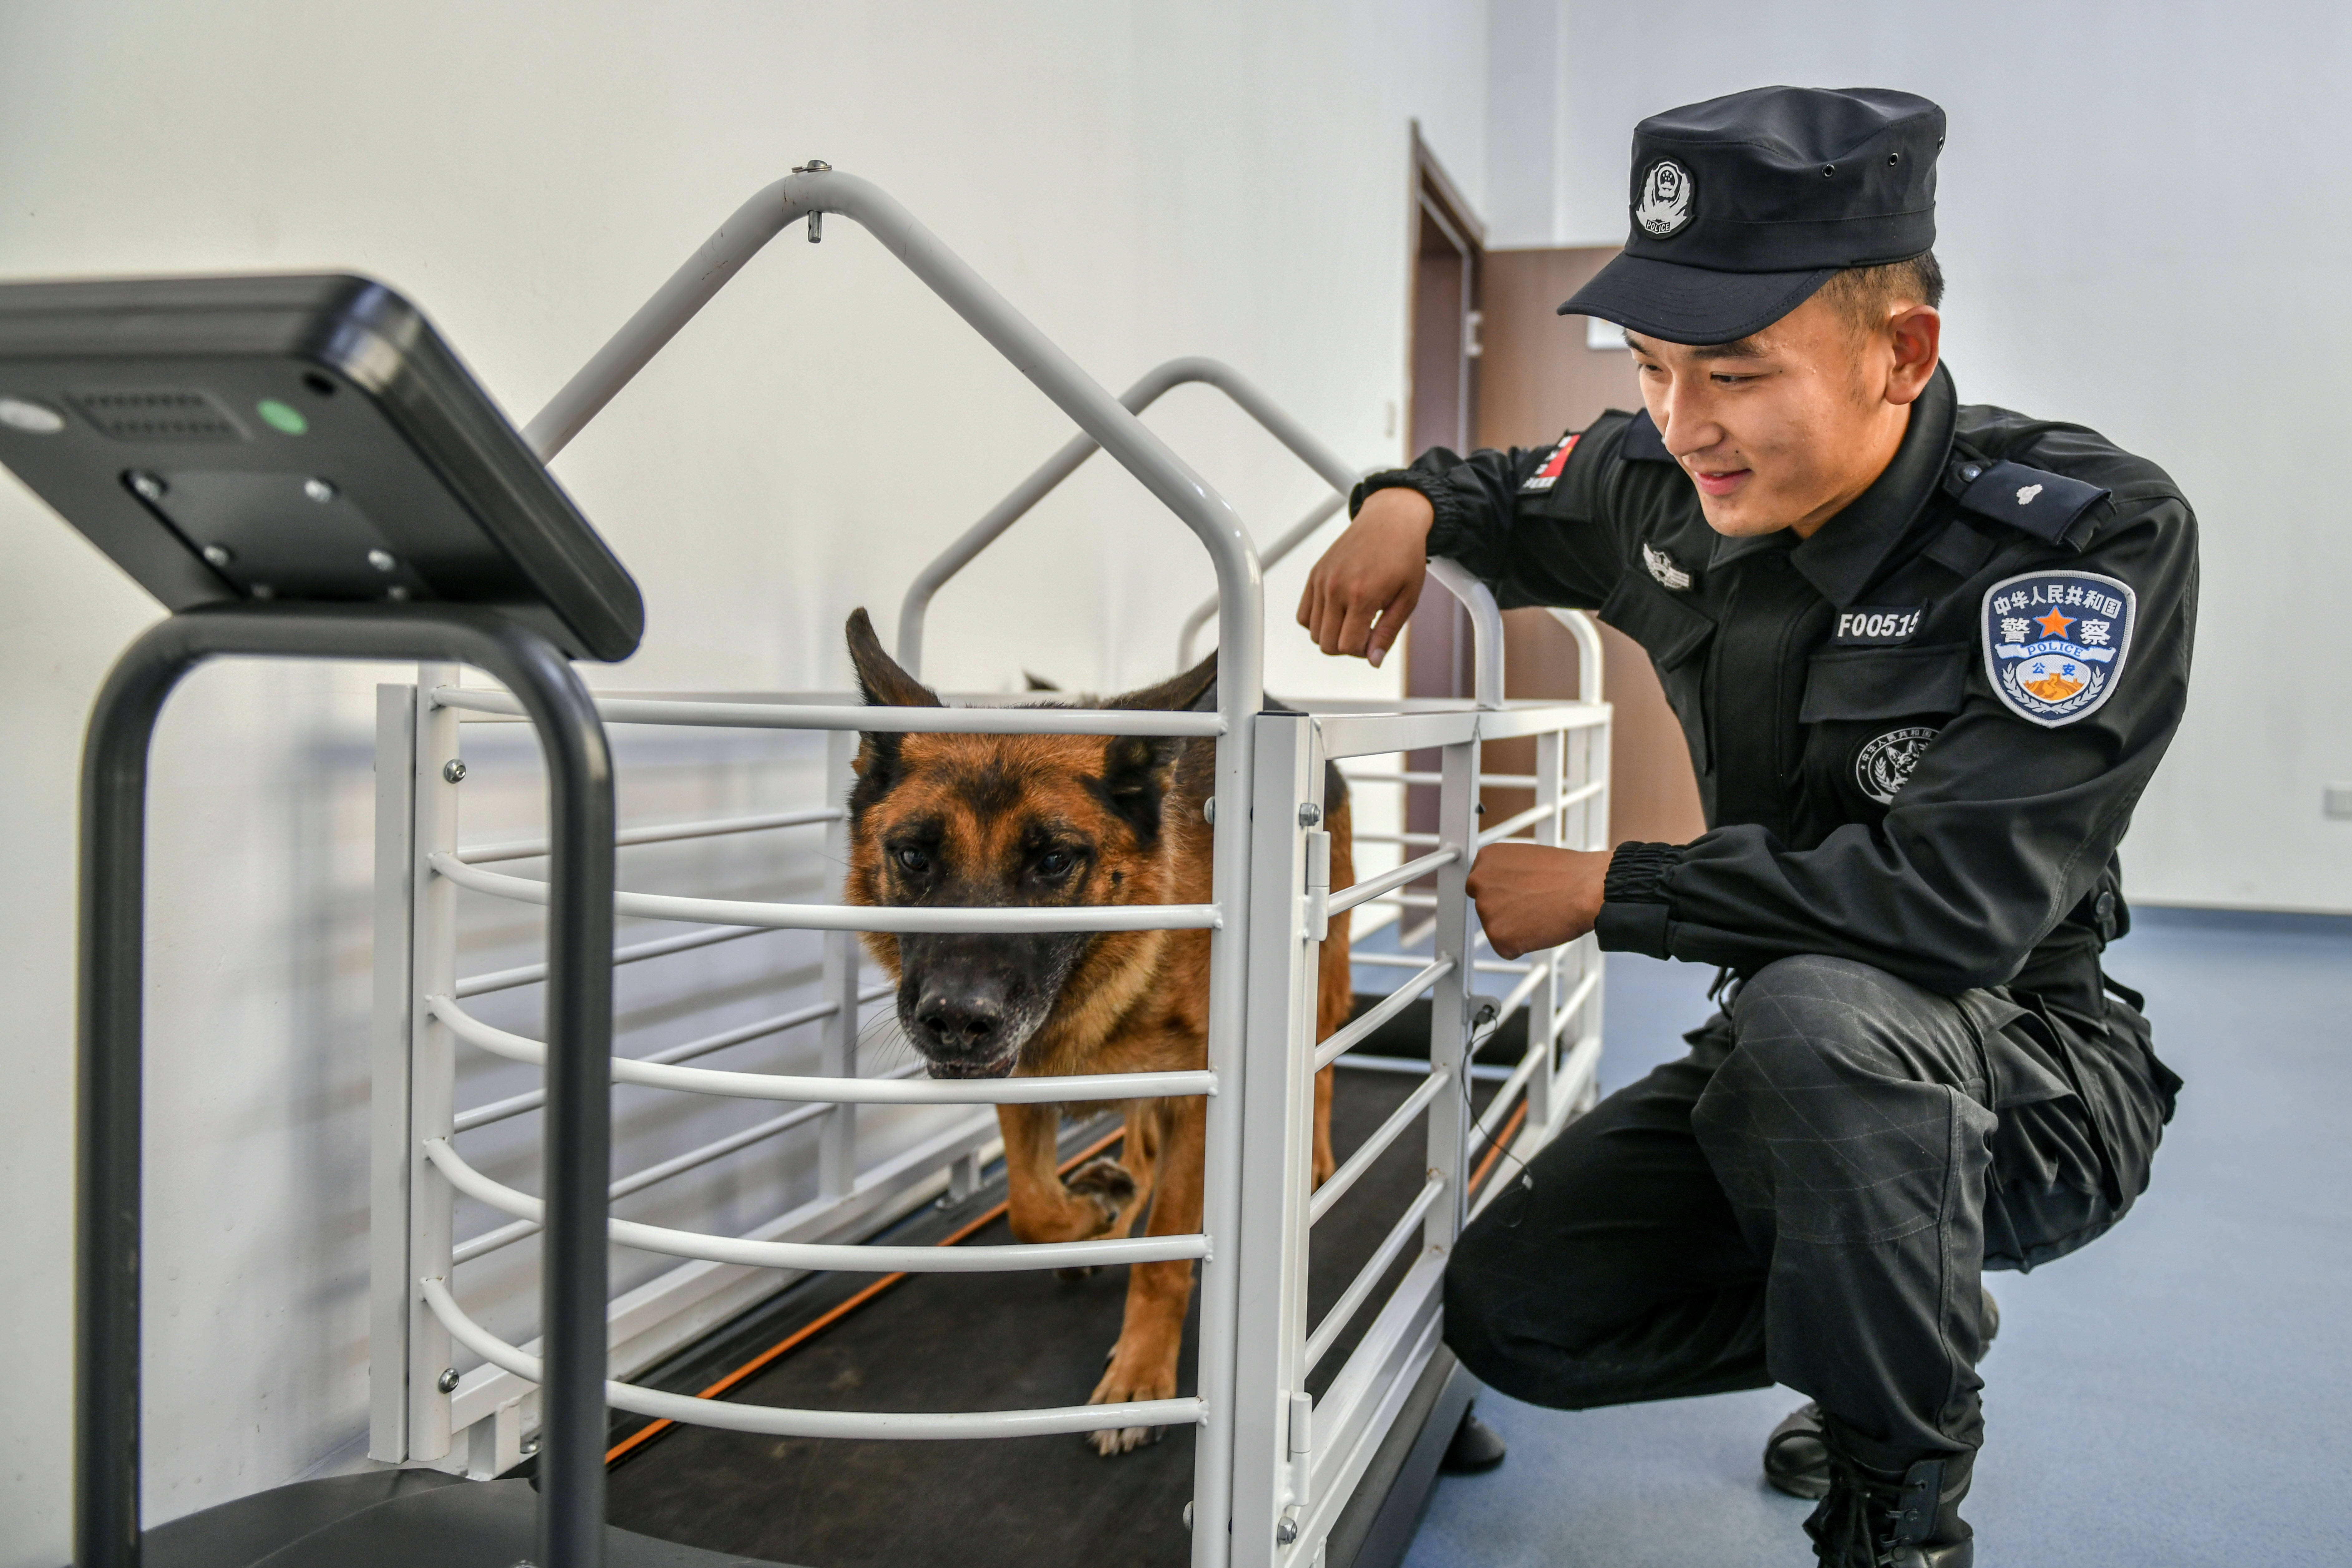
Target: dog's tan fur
point(1133, 1002)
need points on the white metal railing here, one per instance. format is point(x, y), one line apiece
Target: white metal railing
point(1273, 1463)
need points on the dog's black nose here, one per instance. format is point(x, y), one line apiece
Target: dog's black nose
point(960, 1024)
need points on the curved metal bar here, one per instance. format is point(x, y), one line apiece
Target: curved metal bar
point(1296, 534)
point(1154, 383)
point(1486, 627)
point(851, 917)
point(821, 1256)
point(1580, 624)
point(772, 1421)
point(674, 833)
point(865, 721)
point(841, 1091)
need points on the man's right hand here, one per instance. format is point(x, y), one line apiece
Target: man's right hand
point(1359, 595)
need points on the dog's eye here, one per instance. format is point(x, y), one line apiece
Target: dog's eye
point(913, 860)
point(1055, 863)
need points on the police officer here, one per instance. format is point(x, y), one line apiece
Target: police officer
point(1926, 655)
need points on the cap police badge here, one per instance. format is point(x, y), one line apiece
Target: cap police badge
point(1883, 765)
point(1665, 199)
point(2055, 642)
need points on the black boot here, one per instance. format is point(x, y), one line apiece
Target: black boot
point(1794, 1460)
point(1475, 1449)
point(1883, 1518)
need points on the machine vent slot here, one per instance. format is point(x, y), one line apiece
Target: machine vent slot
point(158, 413)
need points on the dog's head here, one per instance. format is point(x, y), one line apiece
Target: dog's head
point(954, 820)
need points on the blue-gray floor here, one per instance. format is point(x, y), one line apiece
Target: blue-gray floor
point(2176, 1394)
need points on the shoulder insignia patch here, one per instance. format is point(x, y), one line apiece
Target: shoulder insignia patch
point(2039, 502)
point(2055, 642)
point(1543, 479)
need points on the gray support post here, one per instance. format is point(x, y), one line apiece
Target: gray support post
point(389, 1277)
point(109, 1116)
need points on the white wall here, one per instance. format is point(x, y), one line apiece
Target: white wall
point(2144, 217)
point(1145, 180)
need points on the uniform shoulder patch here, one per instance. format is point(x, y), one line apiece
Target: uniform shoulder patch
point(1544, 478)
point(2055, 642)
point(2045, 505)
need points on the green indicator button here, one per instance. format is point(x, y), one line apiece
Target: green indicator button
point(281, 417)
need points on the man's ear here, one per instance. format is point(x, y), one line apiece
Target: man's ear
point(1918, 339)
point(1195, 691)
point(880, 676)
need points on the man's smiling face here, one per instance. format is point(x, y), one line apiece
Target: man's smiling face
point(1784, 428)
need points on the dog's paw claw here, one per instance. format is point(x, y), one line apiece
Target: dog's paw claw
point(1108, 1182)
point(1124, 1439)
point(1072, 1276)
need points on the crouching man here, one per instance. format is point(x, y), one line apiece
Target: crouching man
point(1927, 656)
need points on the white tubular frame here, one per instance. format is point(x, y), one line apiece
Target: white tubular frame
point(1270, 1471)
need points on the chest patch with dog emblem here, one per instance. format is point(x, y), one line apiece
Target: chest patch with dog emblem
point(1665, 568)
point(2055, 642)
point(1543, 479)
point(1884, 764)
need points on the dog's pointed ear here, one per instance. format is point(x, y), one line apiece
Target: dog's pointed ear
point(879, 676)
point(1195, 691)
point(1138, 769)
point(885, 685)
point(1039, 683)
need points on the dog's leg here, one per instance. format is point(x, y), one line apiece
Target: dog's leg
point(1131, 1173)
point(1143, 1362)
point(1041, 1207)
point(1334, 999)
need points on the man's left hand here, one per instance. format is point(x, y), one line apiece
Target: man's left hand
point(1530, 896)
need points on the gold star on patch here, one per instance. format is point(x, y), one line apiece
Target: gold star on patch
point(2055, 623)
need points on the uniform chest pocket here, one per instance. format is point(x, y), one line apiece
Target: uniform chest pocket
point(1884, 683)
point(1675, 636)
point(1670, 631)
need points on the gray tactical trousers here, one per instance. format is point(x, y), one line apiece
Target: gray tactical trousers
point(1809, 1197)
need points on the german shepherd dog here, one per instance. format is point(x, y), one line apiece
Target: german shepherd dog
point(1068, 821)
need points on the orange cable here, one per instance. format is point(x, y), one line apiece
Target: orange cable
point(809, 1331)
point(1495, 1150)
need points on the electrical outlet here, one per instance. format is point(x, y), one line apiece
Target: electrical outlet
point(2336, 801)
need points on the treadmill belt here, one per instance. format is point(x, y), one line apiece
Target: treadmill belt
point(970, 1341)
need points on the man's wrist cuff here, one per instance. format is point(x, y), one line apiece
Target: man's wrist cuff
point(1442, 497)
point(1636, 914)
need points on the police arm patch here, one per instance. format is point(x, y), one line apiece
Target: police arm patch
point(1543, 479)
point(2055, 642)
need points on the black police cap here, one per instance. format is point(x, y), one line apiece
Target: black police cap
point(1743, 206)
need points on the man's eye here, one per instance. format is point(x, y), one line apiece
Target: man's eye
point(914, 860)
point(1055, 863)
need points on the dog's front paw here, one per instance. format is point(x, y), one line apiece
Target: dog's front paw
point(1107, 1182)
point(1133, 1376)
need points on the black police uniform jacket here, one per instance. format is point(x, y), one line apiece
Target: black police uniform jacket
point(1870, 792)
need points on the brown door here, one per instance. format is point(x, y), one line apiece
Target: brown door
point(1445, 349)
point(1539, 374)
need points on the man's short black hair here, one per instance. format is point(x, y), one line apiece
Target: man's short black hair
point(1867, 295)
